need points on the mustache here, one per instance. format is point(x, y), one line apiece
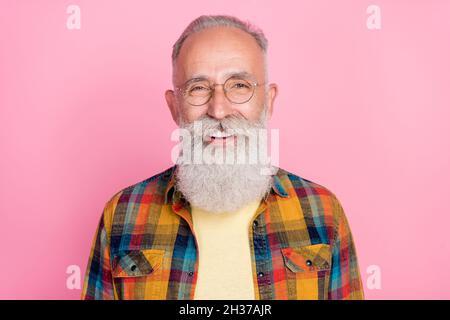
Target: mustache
point(235, 124)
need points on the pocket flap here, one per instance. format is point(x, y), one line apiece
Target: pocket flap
point(307, 258)
point(135, 263)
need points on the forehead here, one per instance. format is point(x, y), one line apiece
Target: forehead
point(218, 52)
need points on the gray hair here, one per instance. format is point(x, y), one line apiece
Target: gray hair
point(208, 21)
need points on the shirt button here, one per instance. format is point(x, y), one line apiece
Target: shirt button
point(190, 273)
point(255, 223)
point(133, 267)
point(261, 274)
point(308, 262)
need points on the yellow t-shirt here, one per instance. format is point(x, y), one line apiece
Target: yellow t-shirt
point(225, 267)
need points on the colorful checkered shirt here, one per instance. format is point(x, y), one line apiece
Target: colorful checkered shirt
point(300, 241)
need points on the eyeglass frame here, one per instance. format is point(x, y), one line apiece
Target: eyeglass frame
point(212, 87)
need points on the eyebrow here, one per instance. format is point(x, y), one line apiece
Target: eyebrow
point(233, 74)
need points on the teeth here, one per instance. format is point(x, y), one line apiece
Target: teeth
point(220, 134)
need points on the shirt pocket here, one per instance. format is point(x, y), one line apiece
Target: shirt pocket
point(137, 274)
point(307, 271)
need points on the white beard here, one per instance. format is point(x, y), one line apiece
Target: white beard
point(222, 187)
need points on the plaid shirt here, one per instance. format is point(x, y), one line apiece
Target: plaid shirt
point(300, 241)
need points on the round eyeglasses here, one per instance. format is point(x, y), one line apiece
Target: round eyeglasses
point(236, 90)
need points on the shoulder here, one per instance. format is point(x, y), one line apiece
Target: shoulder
point(149, 191)
point(320, 206)
point(304, 187)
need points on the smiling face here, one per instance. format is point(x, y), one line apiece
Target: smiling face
point(216, 54)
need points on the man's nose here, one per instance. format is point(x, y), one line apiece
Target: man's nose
point(219, 106)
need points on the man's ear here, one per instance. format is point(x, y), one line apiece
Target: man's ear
point(171, 100)
point(272, 93)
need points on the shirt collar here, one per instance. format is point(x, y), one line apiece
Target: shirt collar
point(173, 195)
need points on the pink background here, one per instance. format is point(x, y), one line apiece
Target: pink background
point(362, 112)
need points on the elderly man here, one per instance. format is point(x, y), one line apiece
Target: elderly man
point(215, 230)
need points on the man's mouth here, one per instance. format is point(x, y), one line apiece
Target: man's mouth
point(220, 137)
